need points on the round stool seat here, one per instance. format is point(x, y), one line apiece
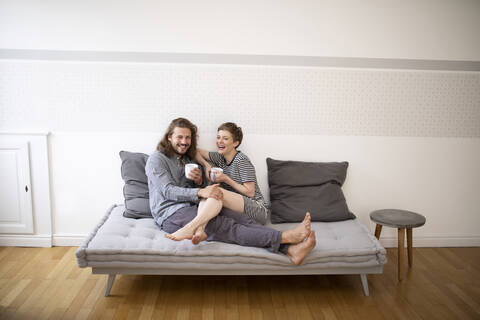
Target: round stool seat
point(397, 218)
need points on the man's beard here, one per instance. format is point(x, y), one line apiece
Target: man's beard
point(179, 147)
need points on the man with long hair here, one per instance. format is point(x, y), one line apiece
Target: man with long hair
point(175, 201)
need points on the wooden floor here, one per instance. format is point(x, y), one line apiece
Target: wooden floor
point(42, 283)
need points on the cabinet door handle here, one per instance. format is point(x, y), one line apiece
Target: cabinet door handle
point(26, 188)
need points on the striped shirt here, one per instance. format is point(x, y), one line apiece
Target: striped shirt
point(240, 169)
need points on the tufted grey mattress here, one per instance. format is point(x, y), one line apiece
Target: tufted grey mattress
point(124, 243)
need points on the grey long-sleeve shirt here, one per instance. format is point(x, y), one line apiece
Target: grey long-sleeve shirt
point(169, 189)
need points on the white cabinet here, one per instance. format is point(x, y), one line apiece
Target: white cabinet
point(25, 203)
point(16, 214)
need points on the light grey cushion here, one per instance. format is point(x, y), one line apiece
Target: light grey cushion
point(297, 187)
point(135, 189)
point(118, 242)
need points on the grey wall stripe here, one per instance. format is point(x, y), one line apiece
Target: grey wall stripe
point(276, 60)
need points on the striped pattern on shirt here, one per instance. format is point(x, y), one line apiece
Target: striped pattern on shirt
point(240, 169)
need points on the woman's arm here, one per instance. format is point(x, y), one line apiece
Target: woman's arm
point(201, 157)
point(246, 188)
point(203, 154)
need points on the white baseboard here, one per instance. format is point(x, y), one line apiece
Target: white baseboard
point(68, 240)
point(391, 242)
point(15, 240)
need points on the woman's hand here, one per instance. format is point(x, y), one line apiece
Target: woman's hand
point(221, 177)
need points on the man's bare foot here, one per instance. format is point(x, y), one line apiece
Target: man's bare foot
point(199, 236)
point(186, 232)
point(299, 233)
point(298, 252)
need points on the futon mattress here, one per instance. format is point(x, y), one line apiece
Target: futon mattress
point(119, 242)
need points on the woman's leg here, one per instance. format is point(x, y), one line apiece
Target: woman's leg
point(233, 201)
point(207, 209)
point(237, 202)
point(200, 234)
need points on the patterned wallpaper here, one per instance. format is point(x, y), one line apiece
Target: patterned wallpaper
point(144, 97)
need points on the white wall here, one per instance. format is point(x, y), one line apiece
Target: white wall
point(409, 29)
point(437, 177)
point(412, 137)
point(139, 97)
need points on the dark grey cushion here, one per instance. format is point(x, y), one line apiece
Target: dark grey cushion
point(135, 189)
point(297, 187)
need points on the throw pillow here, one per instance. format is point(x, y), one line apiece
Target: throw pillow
point(297, 187)
point(135, 190)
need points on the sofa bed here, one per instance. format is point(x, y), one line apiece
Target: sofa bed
point(128, 241)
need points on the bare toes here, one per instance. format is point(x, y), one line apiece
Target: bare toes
point(308, 217)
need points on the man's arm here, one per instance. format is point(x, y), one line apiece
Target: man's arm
point(161, 180)
point(212, 191)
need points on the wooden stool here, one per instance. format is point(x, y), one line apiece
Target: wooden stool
point(402, 220)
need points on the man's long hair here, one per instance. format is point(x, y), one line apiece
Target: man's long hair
point(166, 147)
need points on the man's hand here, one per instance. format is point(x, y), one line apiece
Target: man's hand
point(212, 191)
point(196, 176)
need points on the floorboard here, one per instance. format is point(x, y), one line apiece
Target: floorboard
point(46, 283)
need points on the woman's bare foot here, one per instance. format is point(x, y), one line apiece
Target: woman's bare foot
point(187, 232)
point(298, 252)
point(199, 236)
point(299, 233)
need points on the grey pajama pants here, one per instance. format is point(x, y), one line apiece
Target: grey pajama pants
point(230, 227)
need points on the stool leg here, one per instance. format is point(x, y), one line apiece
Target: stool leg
point(409, 247)
point(378, 229)
point(401, 251)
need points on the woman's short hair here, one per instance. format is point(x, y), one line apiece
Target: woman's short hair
point(166, 147)
point(235, 130)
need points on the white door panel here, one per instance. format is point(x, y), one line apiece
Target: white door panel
point(16, 214)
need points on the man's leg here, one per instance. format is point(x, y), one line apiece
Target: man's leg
point(179, 219)
point(299, 233)
point(230, 227)
point(299, 251)
point(294, 235)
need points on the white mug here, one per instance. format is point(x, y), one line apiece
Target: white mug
point(189, 167)
point(212, 173)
